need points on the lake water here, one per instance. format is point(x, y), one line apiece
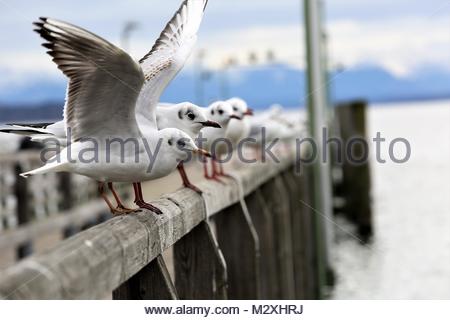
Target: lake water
point(410, 255)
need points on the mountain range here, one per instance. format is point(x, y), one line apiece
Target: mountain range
point(261, 86)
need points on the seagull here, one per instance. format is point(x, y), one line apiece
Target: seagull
point(190, 119)
point(211, 138)
point(274, 126)
point(104, 101)
point(185, 116)
point(160, 65)
point(47, 132)
point(239, 129)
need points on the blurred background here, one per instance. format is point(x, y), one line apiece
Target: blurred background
point(393, 54)
point(379, 50)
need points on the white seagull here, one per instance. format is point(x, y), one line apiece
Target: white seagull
point(104, 100)
point(215, 140)
point(185, 25)
point(189, 118)
point(239, 129)
point(185, 116)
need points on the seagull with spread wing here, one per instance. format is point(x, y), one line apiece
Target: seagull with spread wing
point(160, 66)
point(110, 97)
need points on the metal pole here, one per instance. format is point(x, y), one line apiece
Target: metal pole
point(199, 83)
point(318, 120)
point(128, 28)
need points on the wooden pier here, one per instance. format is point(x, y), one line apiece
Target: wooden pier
point(246, 239)
point(257, 236)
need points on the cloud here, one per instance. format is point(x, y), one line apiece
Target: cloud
point(369, 10)
point(401, 36)
point(400, 45)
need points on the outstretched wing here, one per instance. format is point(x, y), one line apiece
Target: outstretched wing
point(104, 81)
point(169, 54)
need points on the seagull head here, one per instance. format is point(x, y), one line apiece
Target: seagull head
point(192, 118)
point(240, 108)
point(221, 112)
point(179, 144)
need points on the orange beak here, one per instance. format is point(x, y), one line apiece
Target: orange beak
point(249, 112)
point(203, 152)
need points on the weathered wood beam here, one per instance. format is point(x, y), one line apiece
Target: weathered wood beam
point(277, 202)
point(153, 282)
point(100, 259)
point(262, 219)
point(239, 243)
point(200, 269)
point(73, 217)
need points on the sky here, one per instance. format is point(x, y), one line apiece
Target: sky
point(402, 36)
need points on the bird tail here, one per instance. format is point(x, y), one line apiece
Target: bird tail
point(26, 130)
point(21, 132)
point(49, 167)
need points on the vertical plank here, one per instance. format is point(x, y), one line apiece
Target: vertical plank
point(263, 223)
point(65, 189)
point(200, 270)
point(66, 201)
point(277, 200)
point(24, 214)
point(312, 278)
point(239, 243)
point(151, 283)
point(356, 180)
point(299, 241)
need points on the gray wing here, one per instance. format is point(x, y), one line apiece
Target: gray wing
point(169, 54)
point(104, 81)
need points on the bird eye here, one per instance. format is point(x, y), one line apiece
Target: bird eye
point(170, 142)
point(235, 109)
point(191, 116)
point(220, 111)
point(212, 112)
point(181, 143)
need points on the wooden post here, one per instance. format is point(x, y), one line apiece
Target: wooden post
point(299, 240)
point(311, 236)
point(151, 283)
point(200, 270)
point(240, 246)
point(262, 219)
point(304, 233)
point(277, 200)
point(67, 201)
point(356, 182)
point(23, 212)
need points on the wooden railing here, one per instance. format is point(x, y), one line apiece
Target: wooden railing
point(250, 238)
point(33, 207)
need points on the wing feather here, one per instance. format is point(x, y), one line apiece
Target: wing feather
point(169, 54)
point(104, 81)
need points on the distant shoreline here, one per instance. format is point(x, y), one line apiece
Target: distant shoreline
point(52, 111)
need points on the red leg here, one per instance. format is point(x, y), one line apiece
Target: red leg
point(101, 190)
point(120, 205)
point(140, 199)
point(221, 171)
point(185, 179)
point(215, 171)
point(205, 168)
point(136, 193)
